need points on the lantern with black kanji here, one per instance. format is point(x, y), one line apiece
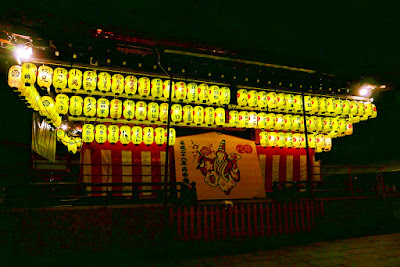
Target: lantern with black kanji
point(327, 124)
point(213, 94)
point(252, 99)
point(159, 136)
point(100, 134)
point(113, 134)
point(125, 135)
point(103, 107)
point(28, 74)
point(338, 107)
point(243, 119)
point(176, 113)
point(137, 135)
point(252, 119)
point(289, 140)
point(288, 120)
point(330, 105)
point(368, 108)
point(296, 123)
point(281, 101)
point(271, 118)
point(271, 101)
point(45, 77)
point(353, 108)
point(60, 78)
point(349, 128)
point(192, 94)
point(104, 82)
point(374, 112)
point(89, 106)
point(148, 135)
point(14, 76)
point(262, 99)
point(75, 106)
point(156, 88)
point(224, 95)
point(297, 140)
point(62, 103)
point(167, 87)
point(263, 139)
point(241, 97)
point(128, 109)
point(280, 140)
point(74, 79)
point(308, 104)
point(346, 107)
point(188, 114)
point(361, 109)
point(328, 144)
point(312, 141)
point(130, 85)
point(153, 110)
point(209, 116)
point(115, 109)
point(322, 106)
point(163, 112)
point(233, 118)
point(320, 140)
point(262, 120)
point(272, 139)
point(172, 136)
point(88, 133)
point(180, 90)
point(314, 105)
point(141, 110)
point(144, 86)
point(117, 84)
point(298, 103)
point(279, 122)
point(89, 80)
point(320, 124)
point(202, 91)
point(198, 117)
point(47, 107)
point(289, 102)
point(312, 122)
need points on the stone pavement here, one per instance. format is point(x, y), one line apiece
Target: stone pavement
point(378, 250)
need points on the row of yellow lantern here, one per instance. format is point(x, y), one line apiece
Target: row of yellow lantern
point(126, 134)
point(318, 142)
point(72, 143)
point(118, 84)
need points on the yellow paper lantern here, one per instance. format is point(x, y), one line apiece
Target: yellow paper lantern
point(262, 99)
point(45, 76)
point(374, 112)
point(103, 107)
point(144, 86)
point(148, 135)
point(330, 105)
point(342, 126)
point(89, 106)
point(141, 110)
point(354, 119)
point(163, 112)
point(327, 124)
point(153, 110)
point(320, 139)
point(297, 140)
point(368, 108)
point(117, 84)
point(272, 139)
point(279, 122)
point(312, 141)
point(281, 101)
point(271, 118)
point(252, 98)
point(166, 89)
point(323, 108)
point(75, 106)
point(301, 129)
point(104, 82)
point(296, 123)
point(180, 90)
point(243, 119)
point(346, 107)
point(289, 102)
point(252, 119)
point(312, 123)
point(125, 135)
point(62, 103)
point(280, 140)
point(314, 104)
point(303, 141)
point(28, 73)
point(320, 124)
point(241, 97)
point(213, 94)
point(261, 120)
point(74, 79)
point(156, 88)
point(225, 95)
point(100, 134)
point(192, 94)
point(353, 108)
point(89, 80)
point(263, 139)
point(160, 135)
point(338, 107)
point(87, 133)
point(364, 117)
point(176, 113)
point(209, 116)
point(288, 120)
point(333, 134)
point(128, 109)
point(271, 100)
point(60, 78)
point(172, 136)
point(14, 76)
point(47, 107)
point(361, 109)
point(328, 144)
point(113, 134)
point(130, 85)
point(115, 109)
point(233, 118)
point(336, 124)
point(188, 114)
point(289, 140)
point(308, 104)
point(298, 103)
point(72, 147)
point(198, 117)
point(61, 134)
point(137, 135)
point(349, 128)
point(202, 91)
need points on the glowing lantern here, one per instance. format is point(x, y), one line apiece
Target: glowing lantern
point(156, 88)
point(303, 141)
point(144, 86)
point(330, 105)
point(220, 116)
point(72, 146)
point(308, 104)
point(60, 78)
point(62, 103)
point(176, 113)
point(61, 134)
point(333, 134)
point(89, 80)
point(288, 120)
point(100, 134)
point(252, 99)
point(241, 97)
point(89, 106)
point(233, 118)
point(198, 115)
point(361, 109)
point(338, 107)
point(166, 89)
point(115, 109)
point(45, 77)
point(312, 124)
point(252, 119)
point(281, 101)
point(298, 103)
point(271, 100)
point(262, 99)
point(163, 112)
point(279, 122)
point(28, 73)
point(335, 124)
point(297, 140)
point(192, 94)
point(312, 140)
point(328, 144)
point(243, 119)
point(289, 102)
point(188, 114)
point(153, 111)
point(103, 107)
point(289, 140)
point(130, 85)
point(125, 134)
point(272, 139)
point(180, 90)
point(263, 139)
point(87, 133)
point(320, 139)
point(368, 108)
point(327, 125)
point(353, 108)
point(209, 116)
point(354, 119)
point(342, 126)
point(346, 107)
point(141, 110)
point(213, 94)
point(271, 118)
point(296, 123)
point(117, 84)
point(320, 124)
point(314, 104)
point(113, 134)
point(322, 106)
point(349, 128)
point(172, 136)
point(104, 82)
point(202, 91)
point(224, 95)
point(14, 76)
point(261, 120)
point(374, 112)
point(128, 109)
point(160, 135)
point(137, 135)
point(75, 106)
point(148, 135)
point(280, 139)
point(74, 79)
point(47, 107)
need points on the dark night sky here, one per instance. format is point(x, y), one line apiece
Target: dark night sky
point(349, 39)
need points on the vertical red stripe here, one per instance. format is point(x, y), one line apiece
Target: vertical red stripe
point(96, 171)
point(116, 167)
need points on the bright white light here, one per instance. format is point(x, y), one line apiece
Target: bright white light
point(365, 90)
point(23, 52)
point(372, 99)
point(64, 127)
